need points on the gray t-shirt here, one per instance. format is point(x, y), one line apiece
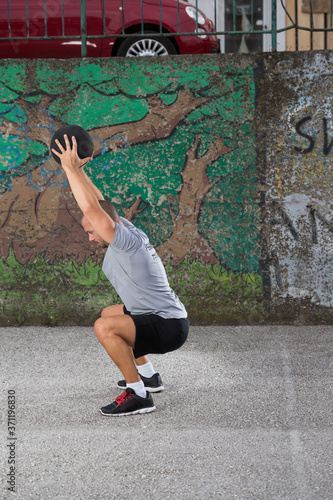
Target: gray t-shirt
point(135, 270)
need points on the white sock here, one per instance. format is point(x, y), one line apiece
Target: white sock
point(146, 370)
point(138, 388)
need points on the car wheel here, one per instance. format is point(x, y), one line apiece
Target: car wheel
point(141, 46)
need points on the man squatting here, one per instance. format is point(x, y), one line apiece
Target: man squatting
point(151, 319)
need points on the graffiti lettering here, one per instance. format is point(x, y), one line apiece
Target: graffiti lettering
point(306, 136)
point(327, 145)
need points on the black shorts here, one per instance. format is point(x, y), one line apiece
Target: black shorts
point(156, 335)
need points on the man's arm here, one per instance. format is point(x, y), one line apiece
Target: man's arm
point(86, 196)
point(91, 185)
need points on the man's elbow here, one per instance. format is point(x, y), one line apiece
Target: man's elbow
point(90, 210)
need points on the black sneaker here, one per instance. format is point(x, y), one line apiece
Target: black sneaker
point(129, 403)
point(152, 384)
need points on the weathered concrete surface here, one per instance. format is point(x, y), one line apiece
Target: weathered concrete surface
point(246, 414)
point(295, 170)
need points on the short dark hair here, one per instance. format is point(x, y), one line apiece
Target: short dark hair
point(110, 209)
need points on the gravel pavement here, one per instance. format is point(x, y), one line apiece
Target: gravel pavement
point(246, 414)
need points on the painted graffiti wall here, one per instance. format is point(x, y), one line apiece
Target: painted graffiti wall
point(224, 161)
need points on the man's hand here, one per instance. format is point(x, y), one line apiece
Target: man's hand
point(69, 157)
point(85, 193)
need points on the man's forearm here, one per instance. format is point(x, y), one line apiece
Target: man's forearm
point(91, 185)
point(85, 196)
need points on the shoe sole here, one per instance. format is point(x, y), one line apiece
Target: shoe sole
point(155, 389)
point(136, 412)
point(148, 389)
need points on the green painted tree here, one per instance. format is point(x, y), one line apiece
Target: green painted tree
point(172, 141)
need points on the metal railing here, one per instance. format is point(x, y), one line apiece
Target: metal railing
point(236, 9)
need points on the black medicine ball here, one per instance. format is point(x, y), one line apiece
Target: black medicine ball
point(85, 146)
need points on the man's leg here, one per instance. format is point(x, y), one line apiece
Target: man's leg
point(145, 369)
point(116, 334)
point(142, 360)
point(117, 310)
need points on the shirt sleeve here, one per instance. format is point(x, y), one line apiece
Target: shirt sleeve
point(126, 240)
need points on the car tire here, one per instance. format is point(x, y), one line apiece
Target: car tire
point(146, 45)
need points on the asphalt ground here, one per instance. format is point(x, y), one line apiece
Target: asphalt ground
point(246, 414)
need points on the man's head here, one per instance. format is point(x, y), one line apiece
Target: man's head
point(93, 235)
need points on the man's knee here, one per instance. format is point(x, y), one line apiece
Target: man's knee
point(115, 328)
point(103, 329)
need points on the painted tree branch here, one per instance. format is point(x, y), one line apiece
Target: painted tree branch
point(134, 209)
point(34, 129)
point(159, 123)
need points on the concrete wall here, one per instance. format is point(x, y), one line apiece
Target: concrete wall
point(294, 137)
point(223, 160)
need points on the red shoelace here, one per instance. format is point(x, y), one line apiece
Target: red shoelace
point(123, 396)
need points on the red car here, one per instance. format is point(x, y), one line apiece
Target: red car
point(55, 29)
